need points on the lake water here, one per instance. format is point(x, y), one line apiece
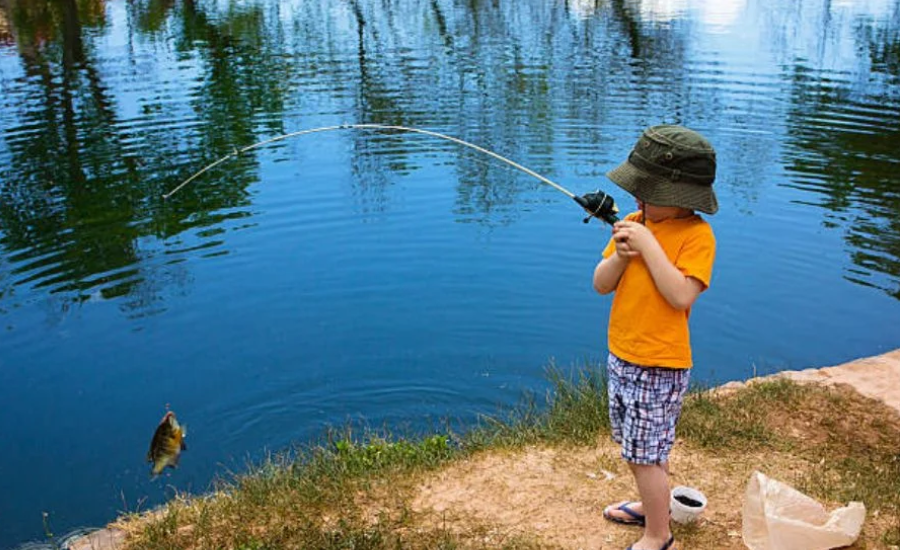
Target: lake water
point(390, 278)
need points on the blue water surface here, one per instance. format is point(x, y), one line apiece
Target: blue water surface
point(395, 279)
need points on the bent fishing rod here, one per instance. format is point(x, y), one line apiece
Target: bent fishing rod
point(598, 204)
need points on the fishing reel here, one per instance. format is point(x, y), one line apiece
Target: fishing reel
point(600, 205)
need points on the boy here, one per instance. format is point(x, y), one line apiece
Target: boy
point(658, 261)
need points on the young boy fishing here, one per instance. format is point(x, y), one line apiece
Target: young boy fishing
point(657, 262)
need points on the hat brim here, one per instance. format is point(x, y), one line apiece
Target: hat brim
point(661, 191)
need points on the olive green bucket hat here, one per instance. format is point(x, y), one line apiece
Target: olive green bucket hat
point(670, 166)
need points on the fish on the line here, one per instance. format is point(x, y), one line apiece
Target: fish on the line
point(167, 444)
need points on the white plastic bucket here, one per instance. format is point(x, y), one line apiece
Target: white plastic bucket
point(687, 504)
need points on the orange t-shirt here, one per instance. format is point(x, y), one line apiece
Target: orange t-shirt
point(643, 328)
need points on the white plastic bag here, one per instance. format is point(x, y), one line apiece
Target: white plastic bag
point(778, 517)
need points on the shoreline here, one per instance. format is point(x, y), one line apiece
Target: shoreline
point(876, 377)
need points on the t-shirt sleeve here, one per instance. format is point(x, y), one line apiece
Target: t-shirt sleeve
point(610, 248)
point(697, 256)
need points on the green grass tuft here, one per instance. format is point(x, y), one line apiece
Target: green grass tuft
point(738, 422)
point(574, 412)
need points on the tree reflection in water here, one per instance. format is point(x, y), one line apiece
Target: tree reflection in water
point(80, 207)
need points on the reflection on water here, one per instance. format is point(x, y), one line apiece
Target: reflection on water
point(87, 157)
point(80, 208)
point(853, 176)
point(105, 106)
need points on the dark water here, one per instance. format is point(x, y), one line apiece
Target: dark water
point(399, 279)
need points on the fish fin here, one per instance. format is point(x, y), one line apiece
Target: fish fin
point(183, 445)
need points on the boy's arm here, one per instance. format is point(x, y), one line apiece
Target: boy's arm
point(678, 289)
point(609, 271)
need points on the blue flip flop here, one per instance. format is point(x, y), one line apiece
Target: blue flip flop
point(634, 518)
point(665, 546)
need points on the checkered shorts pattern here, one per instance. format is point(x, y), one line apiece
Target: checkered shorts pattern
point(644, 406)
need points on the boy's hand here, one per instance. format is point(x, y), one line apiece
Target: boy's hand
point(633, 237)
point(623, 248)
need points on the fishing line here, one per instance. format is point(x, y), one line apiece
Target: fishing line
point(598, 204)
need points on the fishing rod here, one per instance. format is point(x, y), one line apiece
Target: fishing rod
point(598, 204)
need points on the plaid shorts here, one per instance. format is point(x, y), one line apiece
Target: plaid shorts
point(644, 406)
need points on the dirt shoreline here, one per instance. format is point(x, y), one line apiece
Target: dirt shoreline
point(542, 471)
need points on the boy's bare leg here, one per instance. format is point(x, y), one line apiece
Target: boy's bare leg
point(653, 486)
point(638, 507)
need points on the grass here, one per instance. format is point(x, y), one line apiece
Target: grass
point(738, 423)
point(353, 490)
point(573, 412)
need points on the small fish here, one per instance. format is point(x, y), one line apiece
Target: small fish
point(167, 444)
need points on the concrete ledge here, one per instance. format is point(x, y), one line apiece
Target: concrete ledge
point(876, 377)
point(104, 539)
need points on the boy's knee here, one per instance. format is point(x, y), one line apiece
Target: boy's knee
point(636, 467)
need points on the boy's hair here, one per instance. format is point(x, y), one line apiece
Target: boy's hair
point(670, 166)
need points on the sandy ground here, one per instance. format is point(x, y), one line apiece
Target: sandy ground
point(556, 496)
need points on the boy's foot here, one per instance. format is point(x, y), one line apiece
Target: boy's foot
point(651, 544)
point(626, 513)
